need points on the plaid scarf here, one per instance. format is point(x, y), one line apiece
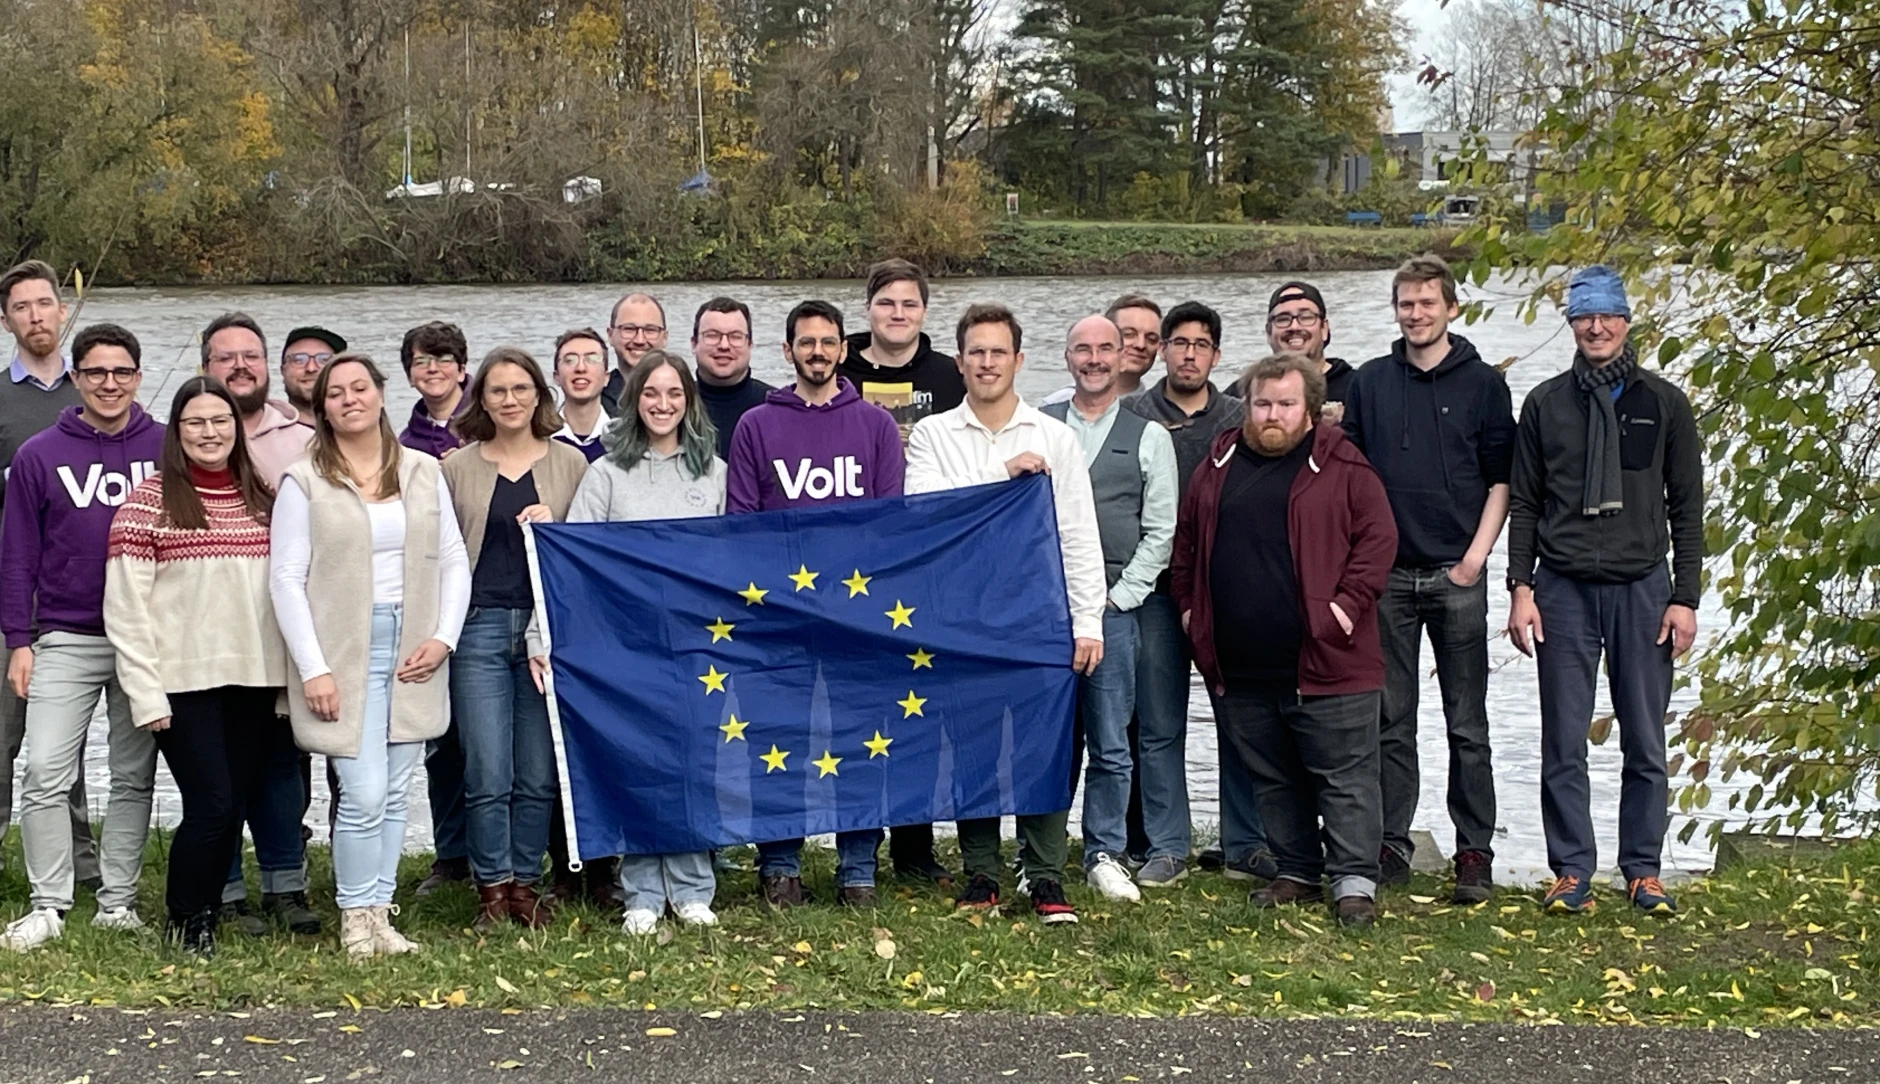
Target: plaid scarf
point(1605, 487)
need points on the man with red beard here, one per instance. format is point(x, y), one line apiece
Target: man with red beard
point(1282, 547)
point(235, 352)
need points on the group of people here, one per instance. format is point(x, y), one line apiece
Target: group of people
point(255, 581)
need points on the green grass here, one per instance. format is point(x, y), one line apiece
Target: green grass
point(1754, 947)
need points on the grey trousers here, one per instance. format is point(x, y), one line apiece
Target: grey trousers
point(69, 671)
point(12, 735)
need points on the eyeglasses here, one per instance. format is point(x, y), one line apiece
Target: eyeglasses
point(634, 331)
point(806, 345)
point(317, 360)
point(731, 338)
point(1182, 346)
point(252, 357)
point(1583, 323)
point(1284, 320)
point(591, 361)
point(521, 393)
point(426, 361)
point(95, 377)
point(198, 426)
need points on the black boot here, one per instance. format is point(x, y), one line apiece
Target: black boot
point(197, 933)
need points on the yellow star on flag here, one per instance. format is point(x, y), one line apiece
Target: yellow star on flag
point(804, 578)
point(922, 658)
point(734, 729)
point(753, 595)
point(878, 745)
point(857, 583)
point(773, 760)
point(911, 706)
point(827, 765)
point(720, 630)
point(900, 615)
point(714, 681)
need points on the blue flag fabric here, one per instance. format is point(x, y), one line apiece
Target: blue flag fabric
point(757, 677)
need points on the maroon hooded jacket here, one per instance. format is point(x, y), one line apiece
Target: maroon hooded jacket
point(1343, 539)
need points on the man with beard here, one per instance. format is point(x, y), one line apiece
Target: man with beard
point(1296, 322)
point(235, 352)
point(1283, 545)
point(637, 324)
point(38, 386)
point(307, 351)
point(1607, 474)
point(1140, 320)
point(1437, 423)
point(893, 363)
point(815, 442)
point(1132, 477)
point(580, 373)
point(1195, 412)
point(721, 358)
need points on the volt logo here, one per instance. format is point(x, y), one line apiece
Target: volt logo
point(844, 479)
point(111, 489)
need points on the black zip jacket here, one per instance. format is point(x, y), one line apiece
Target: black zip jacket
point(1663, 489)
point(1438, 439)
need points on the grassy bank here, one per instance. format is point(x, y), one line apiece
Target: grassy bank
point(1161, 248)
point(1755, 947)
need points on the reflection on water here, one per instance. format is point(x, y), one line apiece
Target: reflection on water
point(374, 319)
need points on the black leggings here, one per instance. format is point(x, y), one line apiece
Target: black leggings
point(211, 746)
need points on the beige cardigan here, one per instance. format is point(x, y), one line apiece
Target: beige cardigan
point(339, 592)
point(472, 481)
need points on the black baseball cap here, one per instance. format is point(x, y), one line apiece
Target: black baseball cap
point(333, 341)
point(1294, 291)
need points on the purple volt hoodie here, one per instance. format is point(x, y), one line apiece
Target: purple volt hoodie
point(787, 453)
point(65, 485)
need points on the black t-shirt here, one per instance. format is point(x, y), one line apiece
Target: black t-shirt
point(1258, 621)
point(501, 579)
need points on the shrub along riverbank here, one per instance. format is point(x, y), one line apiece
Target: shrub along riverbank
point(1756, 946)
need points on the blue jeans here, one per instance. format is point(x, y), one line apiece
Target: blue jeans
point(508, 755)
point(651, 881)
point(443, 785)
point(369, 829)
point(1161, 726)
point(855, 858)
point(1106, 698)
point(274, 803)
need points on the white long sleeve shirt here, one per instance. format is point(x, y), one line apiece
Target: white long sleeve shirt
point(955, 449)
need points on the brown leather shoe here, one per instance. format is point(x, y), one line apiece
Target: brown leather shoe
point(856, 896)
point(1283, 893)
point(783, 892)
point(492, 907)
point(1355, 912)
point(528, 908)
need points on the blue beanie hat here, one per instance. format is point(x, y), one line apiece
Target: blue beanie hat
point(1597, 291)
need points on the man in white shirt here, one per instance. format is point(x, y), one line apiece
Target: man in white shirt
point(991, 437)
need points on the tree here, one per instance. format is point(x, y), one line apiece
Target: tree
point(1734, 179)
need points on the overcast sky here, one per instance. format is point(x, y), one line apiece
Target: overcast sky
point(1426, 19)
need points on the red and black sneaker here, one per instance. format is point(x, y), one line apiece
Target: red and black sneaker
point(980, 894)
point(1048, 902)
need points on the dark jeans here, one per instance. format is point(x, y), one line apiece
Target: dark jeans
point(443, 784)
point(1043, 847)
point(1581, 621)
point(502, 728)
point(210, 746)
point(274, 806)
point(1312, 758)
point(1457, 619)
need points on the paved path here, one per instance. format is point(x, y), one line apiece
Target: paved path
point(106, 1046)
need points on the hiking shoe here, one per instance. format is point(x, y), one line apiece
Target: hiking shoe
point(1393, 868)
point(1210, 858)
point(40, 925)
point(924, 868)
point(289, 911)
point(980, 894)
point(1569, 896)
point(1133, 862)
point(444, 871)
point(782, 892)
point(1648, 895)
point(1161, 872)
point(1258, 865)
point(697, 913)
point(1285, 892)
point(1111, 880)
point(117, 918)
point(238, 914)
point(856, 896)
point(1049, 904)
point(1355, 912)
point(1475, 878)
point(640, 921)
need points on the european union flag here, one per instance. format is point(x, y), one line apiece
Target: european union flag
point(757, 677)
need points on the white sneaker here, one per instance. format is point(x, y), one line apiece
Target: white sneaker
point(117, 918)
point(1111, 880)
point(641, 921)
point(696, 914)
point(39, 926)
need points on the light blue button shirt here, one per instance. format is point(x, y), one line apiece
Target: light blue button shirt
point(21, 376)
point(1156, 455)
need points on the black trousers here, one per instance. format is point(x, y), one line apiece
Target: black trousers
point(211, 746)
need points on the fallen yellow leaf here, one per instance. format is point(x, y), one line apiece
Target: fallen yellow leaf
point(506, 986)
point(661, 1033)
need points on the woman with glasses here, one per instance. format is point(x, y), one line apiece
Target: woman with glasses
point(510, 473)
point(370, 583)
point(198, 653)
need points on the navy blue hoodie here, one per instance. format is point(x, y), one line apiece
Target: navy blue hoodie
point(1438, 439)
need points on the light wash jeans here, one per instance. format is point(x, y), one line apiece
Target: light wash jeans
point(508, 753)
point(69, 671)
point(369, 833)
point(1105, 701)
point(652, 881)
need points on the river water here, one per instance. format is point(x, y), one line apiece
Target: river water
point(374, 319)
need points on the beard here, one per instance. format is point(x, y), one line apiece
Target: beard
point(810, 376)
point(249, 402)
point(1273, 439)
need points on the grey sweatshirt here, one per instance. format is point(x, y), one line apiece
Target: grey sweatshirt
point(658, 488)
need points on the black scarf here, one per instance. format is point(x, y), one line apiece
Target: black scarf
point(1605, 486)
